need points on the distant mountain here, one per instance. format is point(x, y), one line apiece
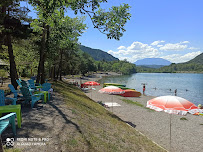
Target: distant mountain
point(151, 66)
point(98, 54)
point(193, 66)
point(152, 62)
point(197, 60)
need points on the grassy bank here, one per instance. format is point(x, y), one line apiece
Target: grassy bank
point(137, 104)
point(98, 129)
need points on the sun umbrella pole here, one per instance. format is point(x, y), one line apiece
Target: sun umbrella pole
point(91, 92)
point(170, 133)
point(112, 103)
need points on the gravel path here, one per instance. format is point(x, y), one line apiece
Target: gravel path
point(186, 135)
point(54, 118)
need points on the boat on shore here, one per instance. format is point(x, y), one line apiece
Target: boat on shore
point(131, 93)
point(125, 88)
point(113, 84)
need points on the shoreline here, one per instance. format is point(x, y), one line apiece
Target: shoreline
point(185, 134)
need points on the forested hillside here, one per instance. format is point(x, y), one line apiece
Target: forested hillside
point(98, 54)
point(197, 60)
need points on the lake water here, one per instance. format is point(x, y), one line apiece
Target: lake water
point(189, 86)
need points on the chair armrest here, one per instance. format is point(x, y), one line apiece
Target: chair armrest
point(37, 84)
point(14, 99)
point(8, 116)
point(40, 94)
point(18, 91)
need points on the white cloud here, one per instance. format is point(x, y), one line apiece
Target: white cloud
point(157, 42)
point(184, 42)
point(173, 47)
point(137, 46)
point(121, 48)
point(135, 51)
point(193, 48)
point(138, 50)
point(178, 58)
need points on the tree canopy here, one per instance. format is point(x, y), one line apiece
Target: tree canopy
point(48, 45)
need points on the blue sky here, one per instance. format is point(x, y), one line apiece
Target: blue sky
point(170, 29)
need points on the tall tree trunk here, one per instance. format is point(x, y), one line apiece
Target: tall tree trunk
point(54, 73)
point(41, 74)
point(60, 65)
point(13, 71)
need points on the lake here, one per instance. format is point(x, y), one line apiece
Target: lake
point(189, 86)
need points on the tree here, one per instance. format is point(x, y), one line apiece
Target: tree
point(11, 15)
point(110, 23)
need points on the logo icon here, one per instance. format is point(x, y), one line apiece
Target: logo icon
point(9, 142)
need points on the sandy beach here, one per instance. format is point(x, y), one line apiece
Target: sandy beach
point(186, 135)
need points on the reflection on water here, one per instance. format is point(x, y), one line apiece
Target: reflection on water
point(189, 86)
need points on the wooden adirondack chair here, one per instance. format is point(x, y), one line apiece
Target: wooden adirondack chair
point(2, 99)
point(24, 84)
point(47, 87)
point(6, 120)
point(33, 85)
point(19, 83)
point(29, 97)
point(10, 108)
point(14, 91)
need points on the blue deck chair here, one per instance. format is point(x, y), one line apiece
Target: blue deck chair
point(32, 84)
point(19, 82)
point(47, 87)
point(2, 99)
point(25, 84)
point(6, 120)
point(33, 78)
point(27, 95)
point(14, 91)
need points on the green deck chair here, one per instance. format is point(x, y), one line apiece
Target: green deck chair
point(6, 120)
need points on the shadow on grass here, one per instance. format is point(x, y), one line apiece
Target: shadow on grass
point(70, 122)
point(119, 119)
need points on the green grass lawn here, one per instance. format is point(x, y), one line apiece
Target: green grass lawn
point(97, 128)
point(137, 104)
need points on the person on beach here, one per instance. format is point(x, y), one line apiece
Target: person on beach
point(175, 92)
point(143, 89)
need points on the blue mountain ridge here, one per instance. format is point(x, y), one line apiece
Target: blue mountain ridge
point(152, 61)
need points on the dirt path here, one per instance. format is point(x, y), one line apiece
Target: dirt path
point(51, 123)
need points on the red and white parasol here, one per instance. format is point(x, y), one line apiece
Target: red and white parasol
point(173, 105)
point(112, 90)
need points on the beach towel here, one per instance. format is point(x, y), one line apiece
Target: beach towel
point(111, 104)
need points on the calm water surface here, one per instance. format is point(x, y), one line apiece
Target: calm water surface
point(189, 86)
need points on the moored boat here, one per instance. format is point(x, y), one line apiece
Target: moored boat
point(113, 84)
point(131, 93)
point(125, 88)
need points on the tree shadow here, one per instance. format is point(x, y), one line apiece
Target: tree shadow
point(71, 122)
